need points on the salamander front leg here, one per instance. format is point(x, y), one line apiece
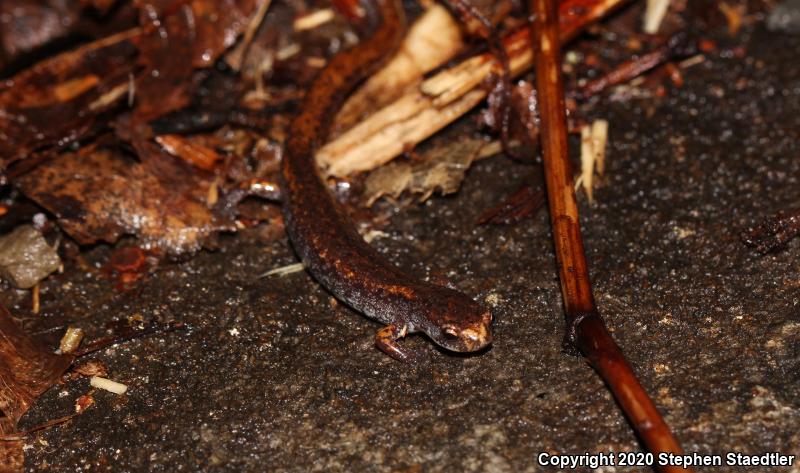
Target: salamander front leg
point(386, 339)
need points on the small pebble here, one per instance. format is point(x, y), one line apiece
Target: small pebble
point(785, 17)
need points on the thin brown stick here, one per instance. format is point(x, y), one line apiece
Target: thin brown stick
point(46, 425)
point(585, 328)
point(679, 46)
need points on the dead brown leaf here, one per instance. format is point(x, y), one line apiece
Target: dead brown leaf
point(441, 169)
point(27, 369)
point(28, 24)
point(49, 104)
point(100, 195)
point(12, 457)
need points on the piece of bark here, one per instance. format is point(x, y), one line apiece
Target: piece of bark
point(431, 41)
point(442, 99)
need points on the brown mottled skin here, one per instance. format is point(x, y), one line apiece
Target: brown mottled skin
point(326, 239)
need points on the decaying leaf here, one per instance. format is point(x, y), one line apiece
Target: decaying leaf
point(442, 169)
point(28, 24)
point(219, 24)
point(27, 370)
point(50, 103)
point(100, 195)
point(12, 457)
point(178, 42)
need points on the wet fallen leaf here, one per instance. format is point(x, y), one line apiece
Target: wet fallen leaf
point(49, 104)
point(27, 369)
point(100, 195)
point(28, 24)
point(179, 40)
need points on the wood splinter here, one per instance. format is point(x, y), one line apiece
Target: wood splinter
point(586, 330)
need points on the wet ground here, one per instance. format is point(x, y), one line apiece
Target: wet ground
point(276, 376)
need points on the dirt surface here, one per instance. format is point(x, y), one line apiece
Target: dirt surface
point(276, 376)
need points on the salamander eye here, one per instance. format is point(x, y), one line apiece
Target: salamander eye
point(450, 332)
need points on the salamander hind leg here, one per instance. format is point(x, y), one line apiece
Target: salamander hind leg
point(387, 340)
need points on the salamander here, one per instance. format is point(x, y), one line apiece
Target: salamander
point(325, 238)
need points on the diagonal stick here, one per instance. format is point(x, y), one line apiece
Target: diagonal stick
point(585, 328)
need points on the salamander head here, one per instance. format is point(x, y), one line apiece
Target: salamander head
point(462, 325)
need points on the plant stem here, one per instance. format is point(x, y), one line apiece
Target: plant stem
point(585, 328)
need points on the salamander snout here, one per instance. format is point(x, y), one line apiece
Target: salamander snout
point(468, 335)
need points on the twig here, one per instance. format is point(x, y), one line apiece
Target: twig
point(284, 270)
point(127, 334)
point(679, 45)
point(585, 328)
point(524, 202)
point(45, 425)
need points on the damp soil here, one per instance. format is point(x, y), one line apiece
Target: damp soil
point(274, 375)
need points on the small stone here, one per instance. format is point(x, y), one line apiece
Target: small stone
point(26, 258)
point(785, 17)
